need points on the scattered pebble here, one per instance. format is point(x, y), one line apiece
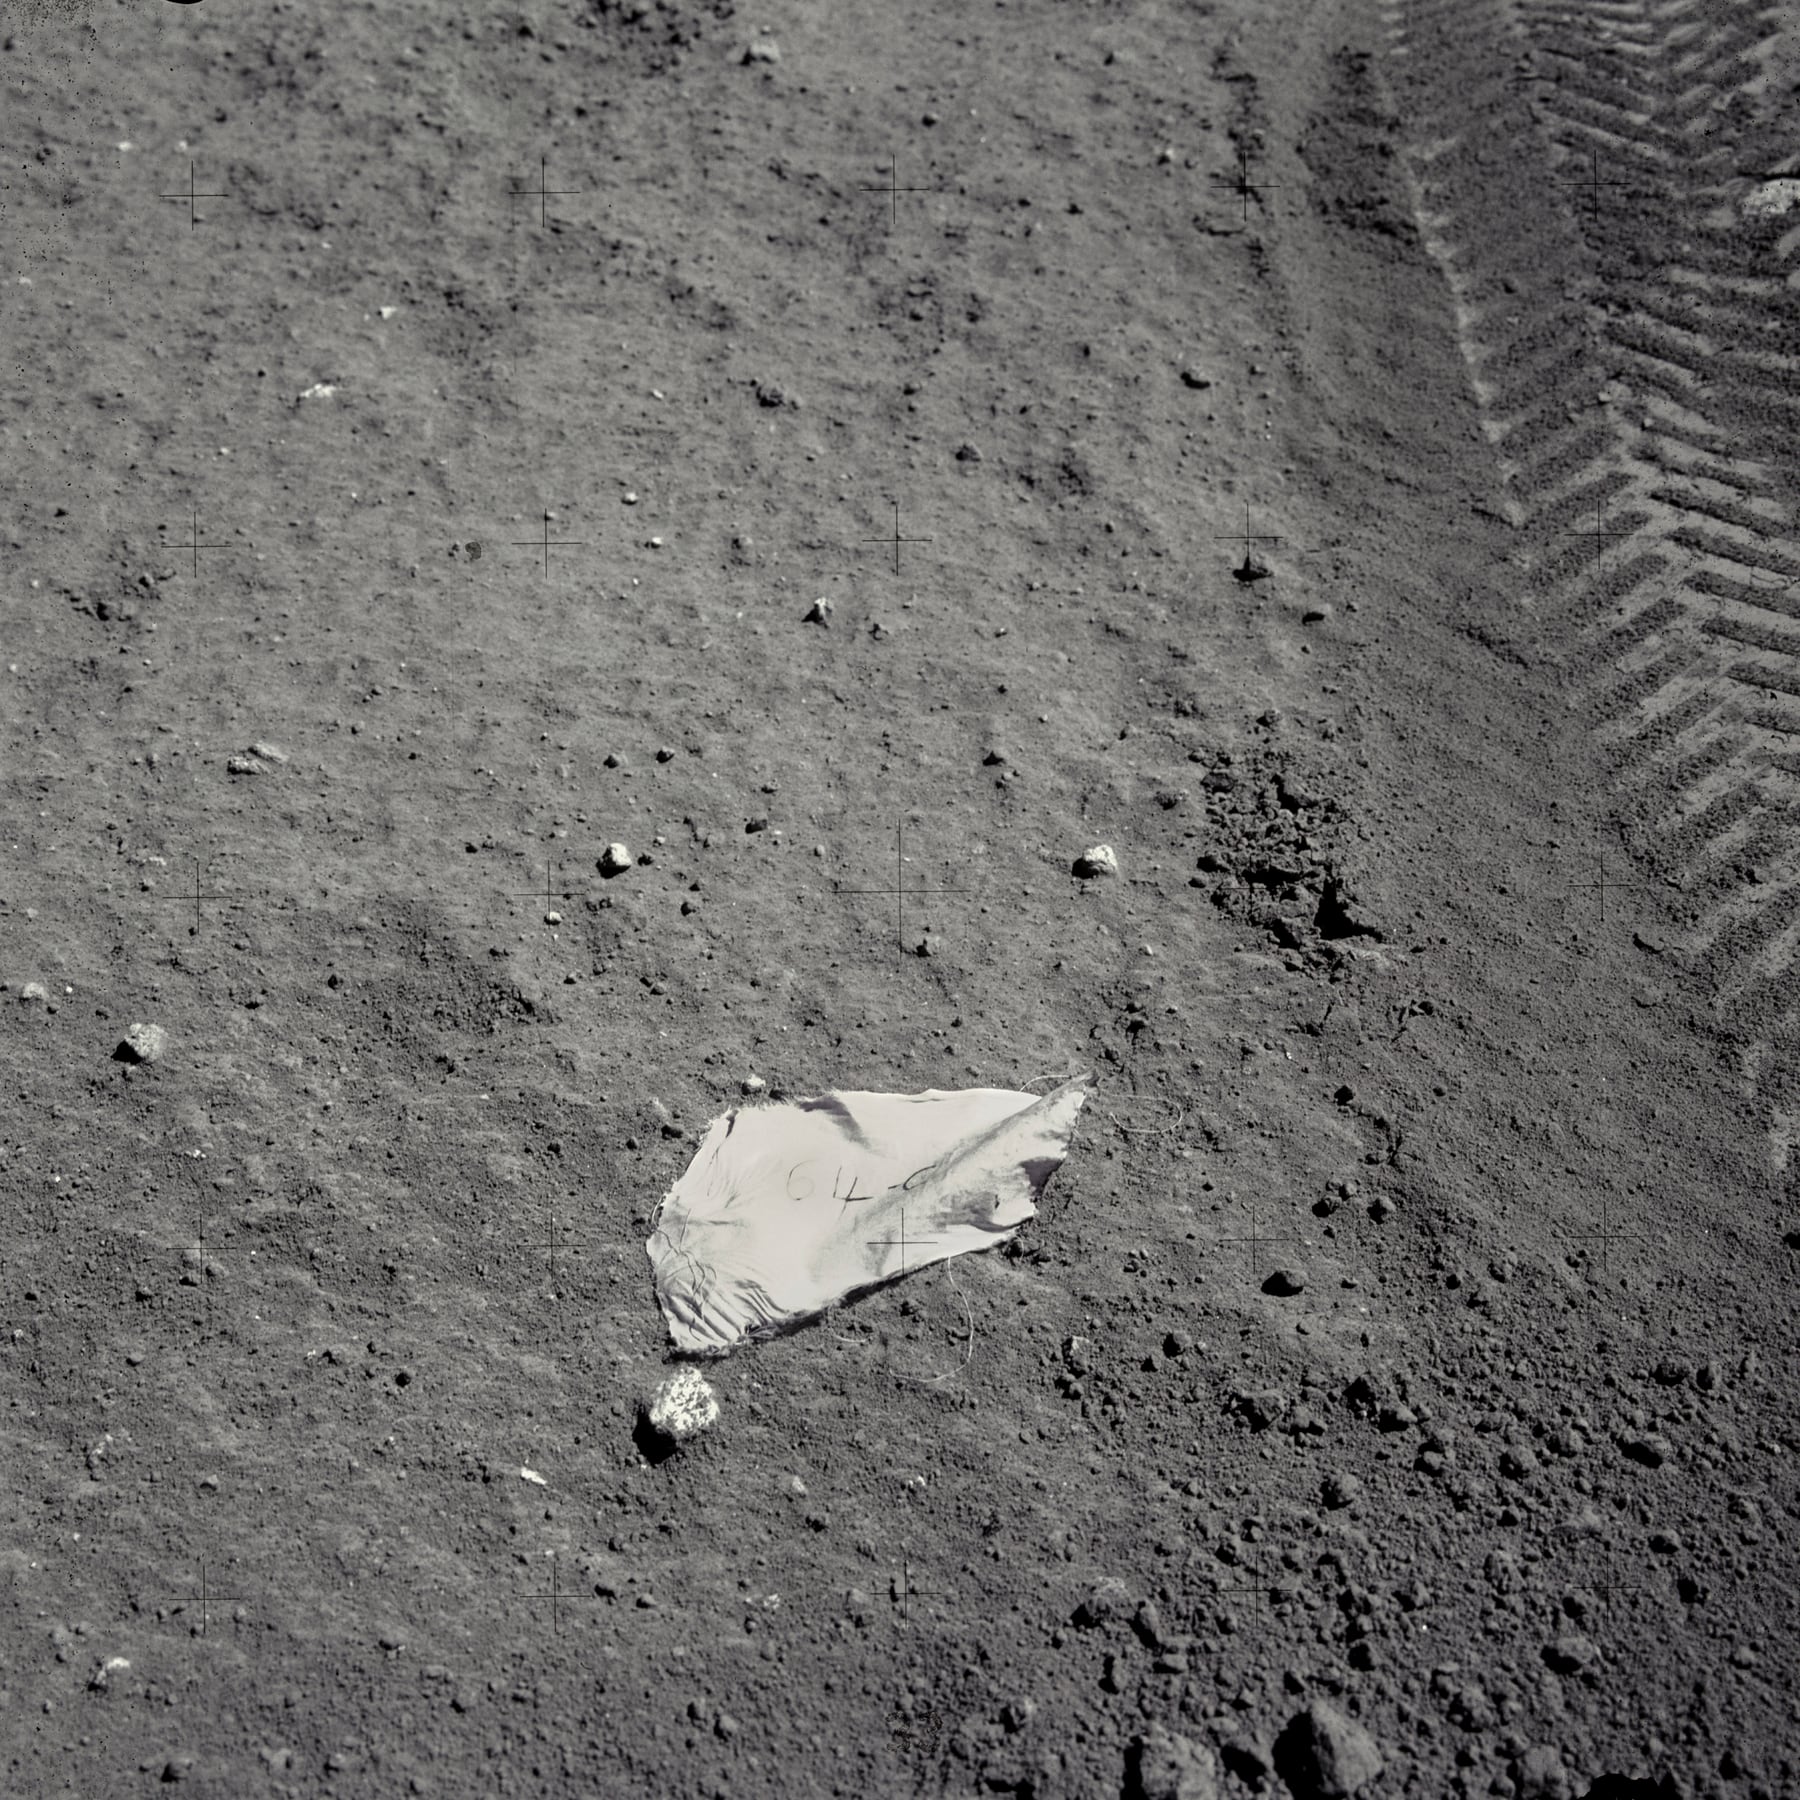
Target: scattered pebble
point(1164, 1765)
point(35, 990)
point(1539, 1775)
point(762, 50)
point(682, 1405)
point(1260, 1406)
point(246, 765)
point(1648, 1448)
point(1284, 1282)
point(1518, 1462)
point(1341, 1488)
point(967, 453)
point(1570, 1654)
point(1772, 198)
point(143, 1044)
point(1106, 1600)
point(269, 753)
point(819, 613)
point(104, 1673)
point(532, 1475)
point(754, 1085)
point(1323, 1755)
point(1316, 615)
point(615, 859)
point(1194, 379)
point(1102, 859)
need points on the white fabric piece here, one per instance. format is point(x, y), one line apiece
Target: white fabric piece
point(788, 1209)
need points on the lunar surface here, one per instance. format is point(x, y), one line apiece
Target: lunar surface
point(573, 567)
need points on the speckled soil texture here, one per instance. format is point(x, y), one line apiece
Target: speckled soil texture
point(1338, 456)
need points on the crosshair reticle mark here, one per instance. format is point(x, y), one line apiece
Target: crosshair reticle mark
point(547, 543)
point(1593, 184)
point(542, 193)
point(899, 890)
point(201, 1279)
point(557, 1240)
point(1602, 886)
point(1606, 1587)
point(1242, 184)
point(547, 894)
point(1255, 1239)
point(1605, 1235)
point(902, 1241)
point(893, 191)
point(190, 197)
point(1247, 570)
point(196, 897)
point(558, 1597)
point(896, 540)
point(1599, 534)
point(194, 542)
point(1259, 1589)
point(902, 1593)
point(206, 1598)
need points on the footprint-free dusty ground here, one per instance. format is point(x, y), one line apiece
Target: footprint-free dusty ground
point(1339, 456)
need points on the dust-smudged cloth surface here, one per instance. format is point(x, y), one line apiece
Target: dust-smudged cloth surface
point(787, 1209)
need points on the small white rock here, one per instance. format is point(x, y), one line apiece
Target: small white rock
point(761, 50)
point(754, 1084)
point(269, 752)
point(1772, 198)
point(112, 1666)
point(614, 860)
point(534, 1476)
point(246, 765)
point(35, 990)
point(683, 1405)
point(820, 612)
point(144, 1043)
point(1100, 859)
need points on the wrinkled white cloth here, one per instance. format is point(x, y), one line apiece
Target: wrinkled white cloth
point(787, 1209)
